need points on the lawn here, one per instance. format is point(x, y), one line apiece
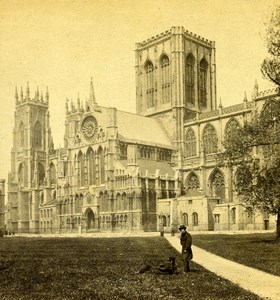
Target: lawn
point(102, 268)
point(254, 250)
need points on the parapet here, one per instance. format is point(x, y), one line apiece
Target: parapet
point(38, 97)
point(177, 30)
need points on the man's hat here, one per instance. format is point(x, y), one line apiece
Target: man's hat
point(182, 227)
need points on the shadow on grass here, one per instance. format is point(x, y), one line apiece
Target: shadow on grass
point(264, 241)
point(196, 271)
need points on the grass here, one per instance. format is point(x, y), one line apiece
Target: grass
point(102, 268)
point(254, 250)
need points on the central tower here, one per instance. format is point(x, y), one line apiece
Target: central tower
point(175, 78)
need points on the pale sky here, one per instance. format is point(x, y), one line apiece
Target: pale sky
point(62, 44)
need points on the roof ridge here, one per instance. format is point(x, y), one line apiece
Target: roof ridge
point(164, 129)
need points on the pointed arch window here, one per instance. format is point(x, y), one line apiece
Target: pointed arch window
point(233, 215)
point(91, 167)
point(165, 79)
point(52, 174)
point(21, 134)
point(102, 206)
point(203, 66)
point(37, 134)
point(41, 174)
point(100, 170)
point(271, 122)
point(81, 169)
point(270, 112)
point(21, 173)
point(193, 185)
point(217, 185)
point(210, 140)
point(195, 219)
point(185, 220)
point(125, 202)
point(190, 143)
point(231, 128)
point(149, 68)
point(189, 79)
point(243, 179)
point(164, 221)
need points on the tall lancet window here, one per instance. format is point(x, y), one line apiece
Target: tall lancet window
point(231, 128)
point(81, 169)
point(150, 84)
point(52, 174)
point(217, 185)
point(41, 174)
point(165, 79)
point(210, 140)
point(21, 134)
point(91, 166)
point(101, 165)
point(190, 143)
point(21, 173)
point(189, 79)
point(203, 66)
point(37, 134)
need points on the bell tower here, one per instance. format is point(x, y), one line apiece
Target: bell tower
point(29, 160)
point(175, 79)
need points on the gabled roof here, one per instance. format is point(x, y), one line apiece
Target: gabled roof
point(49, 203)
point(144, 130)
point(163, 167)
point(135, 128)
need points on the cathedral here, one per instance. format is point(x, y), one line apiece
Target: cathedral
point(120, 171)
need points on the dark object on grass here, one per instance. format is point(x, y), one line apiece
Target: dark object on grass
point(166, 268)
point(145, 269)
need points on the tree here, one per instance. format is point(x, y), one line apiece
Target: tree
point(271, 65)
point(254, 150)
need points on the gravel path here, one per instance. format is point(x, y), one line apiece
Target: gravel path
point(265, 285)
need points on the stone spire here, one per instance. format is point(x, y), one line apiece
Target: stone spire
point(37, 94)
point(78, 103)
point(66, 106)
point(256, 86)
point(220, 104)
point(47, 95)
point(72, 106)
point(21, 94)
point(256, 90)
point(16, 96)
point(245, 97)
point(220, 107)
point(91, 100)
point(27, 94)
point(245, 100)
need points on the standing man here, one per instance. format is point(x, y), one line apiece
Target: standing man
point(186, 242)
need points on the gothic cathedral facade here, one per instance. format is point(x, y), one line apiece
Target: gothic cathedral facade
point(146, 171)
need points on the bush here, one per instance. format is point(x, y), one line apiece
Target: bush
point(1, 232)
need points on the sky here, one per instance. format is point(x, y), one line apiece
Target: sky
point(62, 44)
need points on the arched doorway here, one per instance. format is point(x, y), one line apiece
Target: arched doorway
point(90, 219)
